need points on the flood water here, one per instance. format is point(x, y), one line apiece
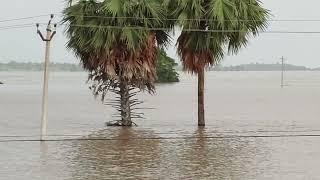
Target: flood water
point(255, 130)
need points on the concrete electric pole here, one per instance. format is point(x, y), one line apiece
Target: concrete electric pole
point(49, 36)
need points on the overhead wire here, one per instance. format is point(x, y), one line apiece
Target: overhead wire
point(193, 19)
point(163, 28)
point(190, 29)
point(151, 18)
point(23, 18)
point(163, 138)
point(17, 26)
point(218, 135)
point(215, 132)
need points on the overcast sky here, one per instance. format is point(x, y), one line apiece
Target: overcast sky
point(300, 49)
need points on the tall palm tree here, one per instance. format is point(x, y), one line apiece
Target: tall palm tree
point(115, 43)
point(211, 27)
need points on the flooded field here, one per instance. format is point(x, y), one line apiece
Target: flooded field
point(256, 130)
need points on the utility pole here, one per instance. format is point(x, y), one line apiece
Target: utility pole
point(49, 36)
point(282, 72)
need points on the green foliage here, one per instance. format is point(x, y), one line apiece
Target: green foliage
point(225, 24)
point(99, 28)
point(114, 39)
point(166, 71)
point(100, 25)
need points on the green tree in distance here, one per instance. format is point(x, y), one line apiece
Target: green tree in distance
point(165, 68)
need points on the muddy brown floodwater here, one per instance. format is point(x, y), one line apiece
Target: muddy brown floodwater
point(256, 130)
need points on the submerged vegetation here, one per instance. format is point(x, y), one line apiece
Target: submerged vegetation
point(165, 68)
point(118, 59)
point(117, 42)
point(220, 25)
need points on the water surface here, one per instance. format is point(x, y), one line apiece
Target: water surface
point(248, 115)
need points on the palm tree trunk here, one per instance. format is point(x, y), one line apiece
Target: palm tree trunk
point(201, 120)
point(125, 104)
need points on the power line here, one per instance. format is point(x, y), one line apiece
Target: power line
point(164, 138)
point(190, 19)
point(13, 25)
point(16, 26)
point(190, 30)
point(167, 19)
point(20, 27)
point(218, 132)
point(23, 18)
point(162, 29)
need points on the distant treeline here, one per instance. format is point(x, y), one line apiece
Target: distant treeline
point(263, 67)
point(165, 66)
point(17, 66)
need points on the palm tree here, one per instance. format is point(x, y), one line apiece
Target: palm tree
point(211, 27)
point(115, 43)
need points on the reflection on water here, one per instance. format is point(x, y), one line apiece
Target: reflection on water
point(218, 158)
point(116, 158)
point(238, 103)
point(129, 156)
point(44, 159)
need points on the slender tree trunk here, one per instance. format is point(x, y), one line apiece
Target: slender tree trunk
point(125, 104)
point(201, 120)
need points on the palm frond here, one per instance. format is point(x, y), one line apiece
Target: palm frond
point(111, 54)
point(234, 20)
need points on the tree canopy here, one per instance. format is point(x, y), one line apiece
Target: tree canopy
point(165, 68)
point(116, 42)
point(221, 25)
point(111, 46)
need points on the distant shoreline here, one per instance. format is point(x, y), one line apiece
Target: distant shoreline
point(263, 67)
point(258, 67)
point(56, 67)
point(69, 67)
